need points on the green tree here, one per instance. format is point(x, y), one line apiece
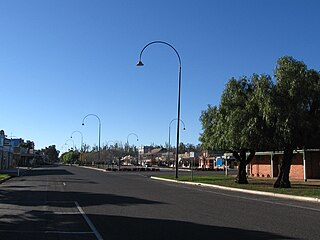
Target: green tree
point(51, 154)
point(239, 124)
point(295, 112)
point(70, 157)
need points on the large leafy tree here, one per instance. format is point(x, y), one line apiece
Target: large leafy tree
point(256, 114)
point(70, 157)
point(295, 112)
point(239, 123)
point(51, 154)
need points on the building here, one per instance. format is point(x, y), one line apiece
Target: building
point(144, 149)
point(208, 158)
point(156, 156)
point(6, 156)
point(305, 164)
point(15, 152)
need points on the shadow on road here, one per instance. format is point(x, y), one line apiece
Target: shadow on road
point(40, 198)
point(118, 227)
point(43, 225)
point(47, 171)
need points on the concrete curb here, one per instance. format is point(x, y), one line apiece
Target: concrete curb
point(5, 179)
point(277, 195)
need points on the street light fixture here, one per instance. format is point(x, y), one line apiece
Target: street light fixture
point(184, 128)
point(140, 64)
point(99, 131)
point(111, 141)
point(130, 135)
point(81, 138)
point(128, 139)
point(66, 144)
point(81, 152)
point(70, 140)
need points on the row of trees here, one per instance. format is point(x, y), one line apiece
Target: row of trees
point(261, 113)
point(113, 152)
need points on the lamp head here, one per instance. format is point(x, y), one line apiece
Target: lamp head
point(184, 128)
point(140, 64)
point(82, 124)
point(71, 137)
point(137, 139)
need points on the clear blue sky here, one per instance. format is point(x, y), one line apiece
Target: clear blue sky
point(61, 60)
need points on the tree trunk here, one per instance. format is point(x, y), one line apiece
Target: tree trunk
point(242, 174)
point(284, 170)
point(243, 161)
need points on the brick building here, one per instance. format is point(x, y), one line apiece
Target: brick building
point(305, 164)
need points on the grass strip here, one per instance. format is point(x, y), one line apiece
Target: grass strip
point(3, 176)
point(298, 188)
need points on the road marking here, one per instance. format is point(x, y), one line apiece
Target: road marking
point(64, 184)
point(93, 228)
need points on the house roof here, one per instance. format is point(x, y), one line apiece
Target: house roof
point(156, 151)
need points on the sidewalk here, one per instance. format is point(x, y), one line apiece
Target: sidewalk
point(14, 172)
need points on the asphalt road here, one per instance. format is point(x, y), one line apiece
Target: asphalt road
point(65, 202)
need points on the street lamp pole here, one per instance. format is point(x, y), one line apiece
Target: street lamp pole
point(67, 145)
point(179, 93)
point(130, 135)
point(99, 131)
point(70, 140)
point(81, 152)
point(184, 128)
point(114, 143)
point(81, 138)
point(128, 140)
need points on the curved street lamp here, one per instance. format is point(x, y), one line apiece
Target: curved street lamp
point(69, 140)
point(81, 152)
point(130, 135)
point(111, 141)
point(128, 140)
point(66, 144)
point(184, 128)
point(81, 138)
point(179, 90)
point(99, 130)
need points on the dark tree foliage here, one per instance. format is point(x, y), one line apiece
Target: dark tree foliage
point(51, 154)
point(295, 112)
point(257, 114)
point(239, 124)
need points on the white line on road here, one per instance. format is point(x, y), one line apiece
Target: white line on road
point(93, 228)
point(64, 184)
